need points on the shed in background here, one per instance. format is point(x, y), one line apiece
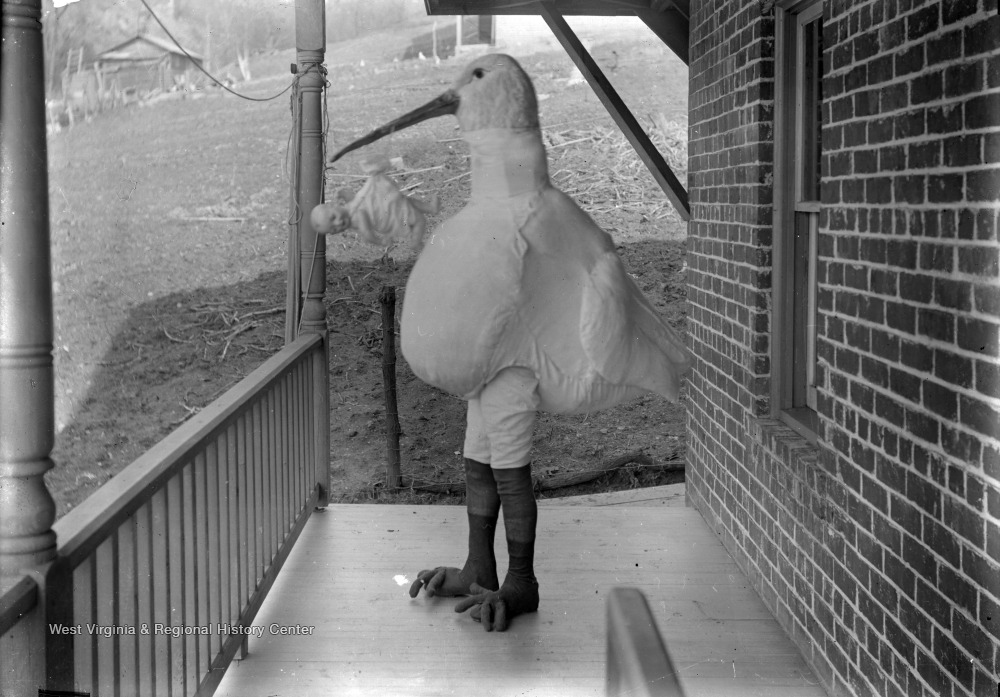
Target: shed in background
point(146, 63)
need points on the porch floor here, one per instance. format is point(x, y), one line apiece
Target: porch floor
point(344, 577)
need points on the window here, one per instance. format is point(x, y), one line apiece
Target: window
point(798, 98)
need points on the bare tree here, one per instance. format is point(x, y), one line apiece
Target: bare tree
point(89, 27)
point(58, 35)
point(237, 29)
point(349, 19)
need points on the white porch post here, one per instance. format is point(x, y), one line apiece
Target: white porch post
point(27, 414)
point(27, 423)
point(310, 42)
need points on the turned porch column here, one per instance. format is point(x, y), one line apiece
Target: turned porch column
point(310, 42)
point(27, 415)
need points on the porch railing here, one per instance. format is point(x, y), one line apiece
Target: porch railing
point(638, 664)
point(159, 571)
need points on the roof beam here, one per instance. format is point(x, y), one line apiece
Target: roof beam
point(672, 27)
point(530, 7)
point(681, 6)
point(644, 147)
point(668, 19)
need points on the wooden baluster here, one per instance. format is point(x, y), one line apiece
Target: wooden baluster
point(208, 540)
point(270, 464)
point(145, 599)
point(161, 581)
point(244, 511)
point(105, 615)
point(257, 461)
point(304, 469)
point(281, 411)
point(128, 613)
point(214, 508)
point(188, 644)
point(227, 565)
point(84, 645)
point(320, 377)
point(305, 412)
point(301, 445)
point(233, 497)
point(176, 544)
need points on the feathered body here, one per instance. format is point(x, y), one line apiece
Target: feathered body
point(523, 277)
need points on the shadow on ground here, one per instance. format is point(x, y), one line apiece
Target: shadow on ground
point(171, 357)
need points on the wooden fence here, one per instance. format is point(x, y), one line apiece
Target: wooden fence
point(158, 572)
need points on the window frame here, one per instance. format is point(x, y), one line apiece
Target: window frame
point(796, 224)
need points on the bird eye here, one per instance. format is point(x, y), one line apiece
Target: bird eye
point(478, 73)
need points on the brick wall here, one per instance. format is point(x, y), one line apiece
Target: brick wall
point(878, 548)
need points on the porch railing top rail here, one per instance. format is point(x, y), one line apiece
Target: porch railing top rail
point(638, 664)
point(17, 601)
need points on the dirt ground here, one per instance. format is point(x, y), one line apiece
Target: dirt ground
point(433, 422)
point(169, 255)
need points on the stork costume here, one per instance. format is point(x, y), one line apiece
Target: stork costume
point(518, 303)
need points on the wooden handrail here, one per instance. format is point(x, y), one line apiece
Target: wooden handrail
point(638, 664)
point(16, 602)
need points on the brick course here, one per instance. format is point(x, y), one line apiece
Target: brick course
point(877, 547)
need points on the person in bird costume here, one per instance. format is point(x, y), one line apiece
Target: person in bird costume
point(518, 303)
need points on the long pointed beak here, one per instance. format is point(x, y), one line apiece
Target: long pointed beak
point(446, 103)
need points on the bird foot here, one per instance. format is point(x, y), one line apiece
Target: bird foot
point(449, 582)
point(495, 609)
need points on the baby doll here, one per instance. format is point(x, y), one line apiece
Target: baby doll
point(380, 213)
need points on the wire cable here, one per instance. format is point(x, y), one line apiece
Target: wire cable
point(210, 76)
point(292, 168)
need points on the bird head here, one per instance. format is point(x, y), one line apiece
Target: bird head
point(492, 92)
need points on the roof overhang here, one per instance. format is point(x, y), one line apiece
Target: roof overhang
point(563, 7)
point(145, 48)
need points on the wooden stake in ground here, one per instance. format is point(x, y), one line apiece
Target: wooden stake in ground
point(387, 299)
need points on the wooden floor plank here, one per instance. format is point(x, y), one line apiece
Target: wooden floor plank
point(652, 496)
point(348, 575)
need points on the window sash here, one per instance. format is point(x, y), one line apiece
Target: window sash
point(808, 38)
point(804, 285)
point(797, 210)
